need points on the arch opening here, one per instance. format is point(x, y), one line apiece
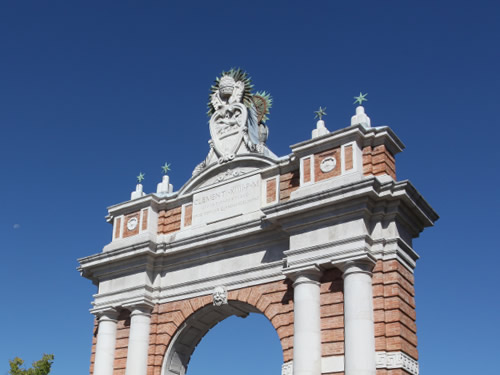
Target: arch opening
point(196, 326)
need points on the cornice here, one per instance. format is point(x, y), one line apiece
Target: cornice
point(366, 137)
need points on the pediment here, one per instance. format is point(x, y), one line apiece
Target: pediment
point(219, 173)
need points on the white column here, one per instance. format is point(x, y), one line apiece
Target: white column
point(138, 341)
point(106, 342)
point(307, 323)
point(358, 319)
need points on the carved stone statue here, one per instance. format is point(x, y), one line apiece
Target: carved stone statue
point(219, 296)
point(237, 122)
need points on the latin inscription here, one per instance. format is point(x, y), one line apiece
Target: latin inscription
point(226, 201)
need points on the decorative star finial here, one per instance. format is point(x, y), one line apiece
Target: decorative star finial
point(165, 168)
point(320, 113)
point(360, 99)
point(140, 178)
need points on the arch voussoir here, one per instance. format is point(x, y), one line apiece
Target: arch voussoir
point(182, 324)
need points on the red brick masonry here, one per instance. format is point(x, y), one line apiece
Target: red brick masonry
point(378, 161)
point(394, 313)
point(289, 182)
point(169, 220)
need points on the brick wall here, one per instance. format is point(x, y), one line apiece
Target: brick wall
point(92, 352)
point(394, 308)
point(188, 215)
point(270, 190)
point(169, 220)
point(392, 372)
point(318, 158)
point(122, 333)
point(289, 182)
point(332, 313)
point(378, 161)
point(394, 315)
point(273, 299)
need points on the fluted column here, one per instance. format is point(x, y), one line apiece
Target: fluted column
point(307, 323)
point(106, 342)
point(138, 342)
point(358, 319)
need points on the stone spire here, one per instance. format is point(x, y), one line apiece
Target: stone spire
point(320, 125)
point(165, 187)
point(138, 188)
point(360, 118)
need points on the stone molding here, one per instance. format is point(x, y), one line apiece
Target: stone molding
point(396, 360)
point(287, 368)
point(109, 314)
point(384, 360)
point(304, 275)
point(330, 364)
point(140, 309)
point(363, 265)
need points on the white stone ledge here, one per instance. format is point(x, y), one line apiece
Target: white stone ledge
point(395, 360)
point(334, 363)
point(384, 360)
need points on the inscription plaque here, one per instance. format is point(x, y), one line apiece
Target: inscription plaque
point(232, 199)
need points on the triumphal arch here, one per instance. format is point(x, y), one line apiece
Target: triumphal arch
point(319, 241)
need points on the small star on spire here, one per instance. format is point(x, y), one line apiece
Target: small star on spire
point(140, 178)
point(320, 113)
point(165, 168)
point(360, 99)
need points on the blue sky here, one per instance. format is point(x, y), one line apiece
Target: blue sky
point(93, 92)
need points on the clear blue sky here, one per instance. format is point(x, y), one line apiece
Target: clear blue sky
point(92, 92)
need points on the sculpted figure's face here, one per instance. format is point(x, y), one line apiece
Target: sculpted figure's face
point(219, 296)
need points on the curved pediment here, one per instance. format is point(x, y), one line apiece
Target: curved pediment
point(217, 173)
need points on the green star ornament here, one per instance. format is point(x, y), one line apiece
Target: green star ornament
point(360, 99)
point(140, 178)
point(165, 168)
point(320, 113)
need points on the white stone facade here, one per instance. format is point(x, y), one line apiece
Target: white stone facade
point(239, 225)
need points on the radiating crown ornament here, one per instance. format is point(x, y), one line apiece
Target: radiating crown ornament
point(237, 118)
point(226, 86)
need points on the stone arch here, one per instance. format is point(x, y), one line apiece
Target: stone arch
point(178, 327)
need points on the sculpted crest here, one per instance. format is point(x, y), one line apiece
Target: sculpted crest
point(237, 119)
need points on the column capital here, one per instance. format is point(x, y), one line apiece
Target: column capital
point(109, 313)
point(306, 274)
point(360, 265)
point(140, 309)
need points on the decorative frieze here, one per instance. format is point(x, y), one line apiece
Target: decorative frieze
point(384, 360)
point(287, 368)
point(397, 360)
